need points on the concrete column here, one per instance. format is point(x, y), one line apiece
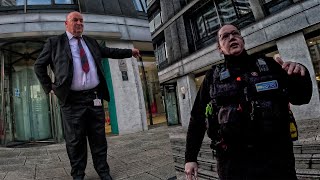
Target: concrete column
point(294, 48)
point(175, 42)
point(184, 49)
point(185, 104)
point(129, 99)
point(256, 7)
point(166, 9)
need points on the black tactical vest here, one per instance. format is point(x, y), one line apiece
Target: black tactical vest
point(251, 106)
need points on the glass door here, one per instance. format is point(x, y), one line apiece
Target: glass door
point(171, 104)
point(30, 106)
point(28, 110)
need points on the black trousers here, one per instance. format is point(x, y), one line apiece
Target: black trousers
point(268, 163)
point(81, 121)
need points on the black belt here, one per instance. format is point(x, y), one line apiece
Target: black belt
point(84, 92)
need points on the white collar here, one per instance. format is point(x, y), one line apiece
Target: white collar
point(70, 36)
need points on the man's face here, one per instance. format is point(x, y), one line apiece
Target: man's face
point(230, 41)
point(74, 23)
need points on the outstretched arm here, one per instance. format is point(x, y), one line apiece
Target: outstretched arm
point(117, 53)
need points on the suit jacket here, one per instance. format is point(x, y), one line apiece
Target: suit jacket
point(56, 53)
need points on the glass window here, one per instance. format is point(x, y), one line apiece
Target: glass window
point(140, 5)
point(230, 11)
point(273, 6)
point(155, 22)
point(148, 2)
point(161, 53)
point(206, 22)
point(242, 7)
point(64, 2)
point(151, 25)
point(38, 2)
point(11, 2)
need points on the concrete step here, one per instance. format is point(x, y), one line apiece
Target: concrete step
point(206, 164)
point(307, 158)
point(306, 148)
point(203, 153)
point(308, 174)
point(307, 161)
point(298, 148)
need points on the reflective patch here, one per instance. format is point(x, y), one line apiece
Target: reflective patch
point(224, 75)
point(268, 85)
point(263, 67)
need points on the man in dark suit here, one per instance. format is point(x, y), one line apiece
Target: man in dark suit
point(79, 84)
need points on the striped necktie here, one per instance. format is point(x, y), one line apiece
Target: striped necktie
point(83, 57)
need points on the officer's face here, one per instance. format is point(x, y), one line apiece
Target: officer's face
point(74, 23)
point(230, 41)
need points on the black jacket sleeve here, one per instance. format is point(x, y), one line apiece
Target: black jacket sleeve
point(115, 53)
point(40, 67)
point(197, 124)
point(299, 87)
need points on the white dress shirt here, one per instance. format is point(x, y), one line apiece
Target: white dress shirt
point(81, 80)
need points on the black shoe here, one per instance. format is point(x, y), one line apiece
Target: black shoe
point(107, 177)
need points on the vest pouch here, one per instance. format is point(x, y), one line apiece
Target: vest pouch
point(271, 120)
point(229, 118)
point(227, 93)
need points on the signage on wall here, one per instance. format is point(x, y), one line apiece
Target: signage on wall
point(123, 68)
point(16, 92)
point(124, 75)
point(122, 65)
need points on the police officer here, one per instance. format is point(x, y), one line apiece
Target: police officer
point(243, 105)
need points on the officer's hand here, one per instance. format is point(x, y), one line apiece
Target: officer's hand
point(291, 67)
point(136, 53)
point(191, 169)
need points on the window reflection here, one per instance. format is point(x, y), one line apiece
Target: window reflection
point(39, 2)
point(33, 2)
point(11, 2)
point(273, 6)
point(205, 23)
point(63, 1)
point(161, 53)
point(231, 11)
point(140, 5)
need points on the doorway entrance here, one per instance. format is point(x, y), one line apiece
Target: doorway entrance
point(29, 115)
point(171, 103)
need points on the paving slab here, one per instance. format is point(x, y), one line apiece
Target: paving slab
point(143, 155)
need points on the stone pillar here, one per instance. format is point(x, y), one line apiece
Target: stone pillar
point(256, 7)
point(129, 99)
point(186, 102)
point(294, 48)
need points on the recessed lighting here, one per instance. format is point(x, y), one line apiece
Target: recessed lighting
point(311, 42)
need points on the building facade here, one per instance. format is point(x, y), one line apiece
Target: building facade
point(27, 113)
point(184, 39)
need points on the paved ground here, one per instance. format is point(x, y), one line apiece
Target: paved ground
point(145, 155)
